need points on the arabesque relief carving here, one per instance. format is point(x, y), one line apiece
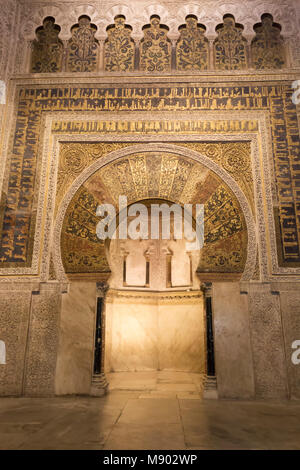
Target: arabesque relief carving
point(83, 47)
point(267, 47)
point(83, 252)
point(234, 157)
point(74, 158)
point(230, 47)
point(191, 51)
point(47, 49)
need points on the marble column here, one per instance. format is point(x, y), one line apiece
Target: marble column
point(99, 383)
point(210, 382)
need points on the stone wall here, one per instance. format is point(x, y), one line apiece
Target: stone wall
point(137, 13)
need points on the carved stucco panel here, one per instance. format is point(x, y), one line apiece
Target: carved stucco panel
point(267, 343)
point(43, 342)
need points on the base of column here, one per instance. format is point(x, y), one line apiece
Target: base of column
point(210, 391)
point(99, 385)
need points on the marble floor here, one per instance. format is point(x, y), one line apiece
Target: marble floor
point(148, 411)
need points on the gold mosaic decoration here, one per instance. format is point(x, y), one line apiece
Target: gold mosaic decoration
point(47, 49)
point(74, 158)
point(267, 47)
point(230, 47)
point(157, 175)
point(155, 50)
point(83, 47)
point(119, 47)
point(235, 158)
point(192, 48)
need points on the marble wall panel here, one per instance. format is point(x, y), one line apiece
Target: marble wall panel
point(76, 340)
point(290, 307)
point(233, 356)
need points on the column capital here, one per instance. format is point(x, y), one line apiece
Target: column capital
point(206, 288)
point(102, 288)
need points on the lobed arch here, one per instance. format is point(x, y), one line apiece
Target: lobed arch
point(210, 13)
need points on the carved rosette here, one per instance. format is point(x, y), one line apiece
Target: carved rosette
point(47, 49)
point(192, 48)
point(119, 47)
point(267, 48)
point(155, 51)
point(83, 47)
point(230, 47)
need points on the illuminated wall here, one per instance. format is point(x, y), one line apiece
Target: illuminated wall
point(204, 112)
